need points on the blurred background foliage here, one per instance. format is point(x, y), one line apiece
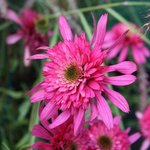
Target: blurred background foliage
point(17, 115)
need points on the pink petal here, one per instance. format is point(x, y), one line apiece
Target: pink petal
point(12, 39)
point(139, 115)
point(93, 111)
point(113, 53)
point(118, 40)
point(60, 119)
point(133, 138)
point(104, 110)
point(44, 48)
point(146, 52)
point(40, 132)
point(38, 56)
point(117, 99)
point(34, 89)
point(42, 146)
point(26, 61)
point(94, 85)
point(138, 56)
point(11, 15)
point(78, 118)
point(145, 145)
point(117, 120)
point(123, 54)
point(101, 31)
point(126, 67)
point(120, 80)
point(37, 96)
point(65, 28)
point(48, 111)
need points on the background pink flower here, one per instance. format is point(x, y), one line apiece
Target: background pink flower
point(144, 122)
point(61, 137)
point(28, 31)
point(132, 42)
point(75, 78)
point(111, 139)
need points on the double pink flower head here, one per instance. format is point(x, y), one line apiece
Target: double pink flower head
point(95, 137)
point(75, 79)
point(132, 42)
point(31, 24)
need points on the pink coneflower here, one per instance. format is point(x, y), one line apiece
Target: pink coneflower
point(111, 139)
point(132, 42)
point(75, 78)
point(60, 138)
point(29, 21)
point(144, 121)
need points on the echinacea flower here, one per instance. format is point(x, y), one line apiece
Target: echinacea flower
point(75, 78)
point(59, 138)
point(111, 139)
point(132, 42)
point(144, 122)
point(28, 21)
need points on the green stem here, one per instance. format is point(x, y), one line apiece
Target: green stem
point(33, 120)
point(104, 6)
point(85, 25)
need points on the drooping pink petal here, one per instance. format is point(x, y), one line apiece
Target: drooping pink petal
point(27, 54)
point(12, 39)
point(146, 52)
point(11, 15)
point(34, 89)
point(40, 132)
point(94, 111)
point(94, 85)
point(38, 56)
point(117, 99)
point(145, 145)
point(48, 111)
point(118, 40)
point(78, 118)
point(126, 67)
point(123, 54)
point(137, 56)
point(117, 120)
point(44, 48)
point(139, 115)
point(120, 80)
point(101, 31)
point(65, 28)
point(113, 52)
point(134, 137)
point(60, 119)
point(37, 96)
point(104, 110)
point(42, 145)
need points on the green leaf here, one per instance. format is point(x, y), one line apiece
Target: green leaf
point(4, 146)
point(23, 109)
point(54, 37)
point(85, 25)
point(13, 94)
